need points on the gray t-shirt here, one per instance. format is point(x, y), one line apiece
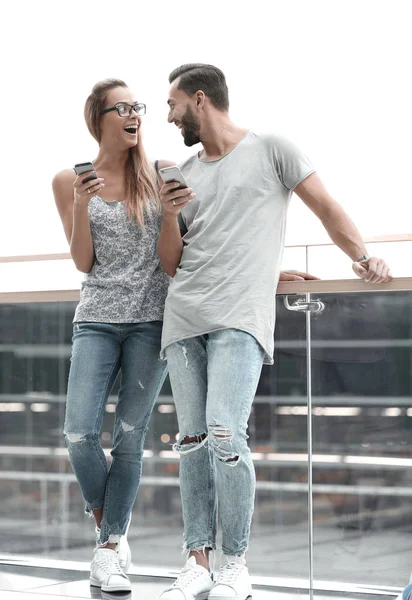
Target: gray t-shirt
point(233, 240)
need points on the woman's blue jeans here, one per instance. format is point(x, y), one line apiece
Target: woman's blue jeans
point(100, 351)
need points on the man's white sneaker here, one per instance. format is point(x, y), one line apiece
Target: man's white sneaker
point(105, 572)
point(232, 582)
point(193, 583)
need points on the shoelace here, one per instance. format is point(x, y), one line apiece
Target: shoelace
point(229, 573)
point(186, 577)
point(109, 564)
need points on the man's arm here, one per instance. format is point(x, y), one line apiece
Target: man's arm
point(341, 229)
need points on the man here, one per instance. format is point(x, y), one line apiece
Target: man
point(222, 240)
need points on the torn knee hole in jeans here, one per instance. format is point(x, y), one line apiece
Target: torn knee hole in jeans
point(126, 427)
point(75, 438)
point(190, 443)
point(221, 442)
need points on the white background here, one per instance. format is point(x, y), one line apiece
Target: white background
point(332, 75)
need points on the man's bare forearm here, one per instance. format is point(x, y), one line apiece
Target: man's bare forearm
point(170, 245)
point(344, 232)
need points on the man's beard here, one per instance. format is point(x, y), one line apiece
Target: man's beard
point(191, 128)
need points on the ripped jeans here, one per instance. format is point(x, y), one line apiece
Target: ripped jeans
point(214, 379)
point(100, 351)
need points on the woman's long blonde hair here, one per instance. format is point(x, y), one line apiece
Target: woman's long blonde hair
point(140, 179)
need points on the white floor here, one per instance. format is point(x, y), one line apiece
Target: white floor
point(39, 583)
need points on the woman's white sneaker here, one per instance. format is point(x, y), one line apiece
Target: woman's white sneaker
point(123, 550)
point(124, 554)
point(106, 573)
point(233, 581)
point(193, 583)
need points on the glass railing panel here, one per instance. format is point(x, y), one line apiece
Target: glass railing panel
point(279, 544)
point(42, 508)
point(361, 347)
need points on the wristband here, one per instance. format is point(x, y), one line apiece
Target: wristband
point(363, 258)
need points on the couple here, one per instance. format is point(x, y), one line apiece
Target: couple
point(221, 240)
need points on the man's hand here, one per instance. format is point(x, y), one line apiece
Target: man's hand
point(295, 276)
point(373, 270)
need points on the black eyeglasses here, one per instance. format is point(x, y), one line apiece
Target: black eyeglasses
point(125, 110)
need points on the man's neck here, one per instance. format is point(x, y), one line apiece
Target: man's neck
point(220, 138)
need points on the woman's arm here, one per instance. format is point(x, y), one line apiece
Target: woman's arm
point(170, 245)
point(72, 200)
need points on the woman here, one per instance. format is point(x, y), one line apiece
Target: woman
point(112, 223)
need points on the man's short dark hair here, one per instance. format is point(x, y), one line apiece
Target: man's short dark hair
point(207, 78)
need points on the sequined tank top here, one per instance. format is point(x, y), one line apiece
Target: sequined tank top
point(127, 283)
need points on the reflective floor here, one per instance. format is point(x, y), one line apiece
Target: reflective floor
point(36, 583)
point(32, 584)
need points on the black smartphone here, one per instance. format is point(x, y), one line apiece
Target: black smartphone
point(85, 168)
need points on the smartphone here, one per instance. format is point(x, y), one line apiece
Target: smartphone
point(169, 174)
point(85, 168)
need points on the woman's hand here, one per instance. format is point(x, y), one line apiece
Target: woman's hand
point(174, 200)
point(85, 190)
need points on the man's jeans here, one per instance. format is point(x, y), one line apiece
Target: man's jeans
point(214, 379)
point(100, 351)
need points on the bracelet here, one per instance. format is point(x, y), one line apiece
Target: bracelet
point(363, 258)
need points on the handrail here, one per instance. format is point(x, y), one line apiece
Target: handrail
point(396, 237)
point(374, 239)
point(35, 257)
point(39, 296)
point(332, 286)
point(276, 486)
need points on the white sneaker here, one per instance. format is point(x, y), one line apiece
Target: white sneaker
point(105, 572)
point(193, 583)
point(232, 582)
point(123, 550)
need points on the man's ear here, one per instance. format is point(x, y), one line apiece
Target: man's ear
point(200, 99)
